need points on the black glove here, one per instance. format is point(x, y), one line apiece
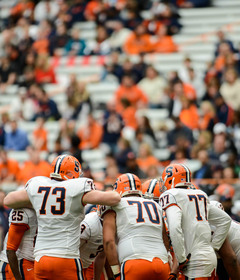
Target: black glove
point(172, 276)
point(183, 265)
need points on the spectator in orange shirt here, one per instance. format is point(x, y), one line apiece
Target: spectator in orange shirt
point(165, 43)
point(93, 8)
point(145, 158)
point(9, 168)
point(138, 41)
point(130, 91)
point(22, 8)
point(128, 114)
point(35, 166)
point(44, 73)
point(41, 45)
point(90, 134)
point(189, 114)
point(208, 114)
point(40, 135)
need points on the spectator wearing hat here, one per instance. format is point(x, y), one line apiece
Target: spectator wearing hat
point(133, 167)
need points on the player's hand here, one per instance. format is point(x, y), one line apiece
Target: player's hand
point(183, 265)
point(172, 276)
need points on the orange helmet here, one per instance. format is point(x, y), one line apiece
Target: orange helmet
point(65, 167)
point(151, 189)
point(176, 175)
point(128, 183)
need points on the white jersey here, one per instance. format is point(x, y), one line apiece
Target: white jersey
point(139, 229)
point(91, 231)
point(188, 212)
point(23, 216)
point(59, 209)
point(234, 238)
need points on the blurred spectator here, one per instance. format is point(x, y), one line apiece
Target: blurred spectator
point(46, 107)
point(90, 134)
point(77, 96)
point(119, 35)
point(23, 106)
point(100, 46)
point(164, 43)
point(207, 116)
point(16, 139)
point(2, 134)
point(35, 166)
point(46, 9)
point(44, 73)
point(143, 124)
point(154, 85)
point(140, 68)
point(204, 142)
point(27, 78)
point(123, 148)
point(212, 90)
point(41, 44)
point(180, 131)
point(4, 213)
point(7, 74)
point(145, 158)
point(39, 140)
point(76, 12)
point(142, 137)
point(93, 8)
point(132, 166)
point(74, 148)
point(59, 40)
point(112, 126)
point(128, 114)
point(224, 113)
point(236, 209)
point(222, 39)
point(23, 8)
point(75, 45)
point(131, 92)
point(189, 113)
point(230, 89)
point(138, 41)
point(112, 173)
point(9, 169)
point(220, 61)
point(67, 130)
point(205, 170)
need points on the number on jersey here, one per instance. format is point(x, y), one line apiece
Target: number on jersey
point(60, 194)
point(150, 208)
point(199, 198)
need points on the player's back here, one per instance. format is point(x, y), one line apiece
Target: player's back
point(91, 230)
point(139, 229)
point(59, 210)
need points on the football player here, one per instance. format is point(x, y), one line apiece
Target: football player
point(91, 246)
point(59, 204)
point(230, 251)
point(151, 189)
point(18, 248)
point(138, 225)
point(188, 212)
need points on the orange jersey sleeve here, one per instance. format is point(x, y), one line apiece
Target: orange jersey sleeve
point(15, 235)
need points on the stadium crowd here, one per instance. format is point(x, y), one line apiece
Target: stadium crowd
point(204, 110)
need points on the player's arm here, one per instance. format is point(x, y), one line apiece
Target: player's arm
point(174, 217)
point(165, 236)
point(99, 263)
point(17, 199)
point(222, 222)
point(230, 260)
point(111, 198)
point(110, 248)
point(15, 235)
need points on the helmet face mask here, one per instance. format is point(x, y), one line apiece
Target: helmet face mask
point(151, 189)
point(65, 167)
point(176, 175)
point(128, 184)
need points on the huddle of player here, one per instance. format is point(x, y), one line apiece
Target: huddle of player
point(162, 229)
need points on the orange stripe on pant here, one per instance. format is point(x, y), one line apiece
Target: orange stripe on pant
point(52, 268)
point(143, 269)
point(88, 273)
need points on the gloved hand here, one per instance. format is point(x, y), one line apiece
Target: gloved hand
point(183, 265)
point(172, 276)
